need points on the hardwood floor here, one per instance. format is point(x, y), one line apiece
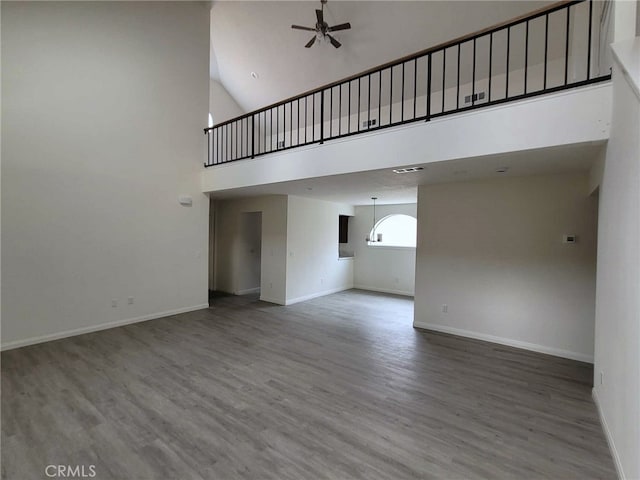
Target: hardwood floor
point(339, 387)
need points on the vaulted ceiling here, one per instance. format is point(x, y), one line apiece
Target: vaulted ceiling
point(257, 37)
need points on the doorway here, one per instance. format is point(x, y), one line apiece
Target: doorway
point(249, 254)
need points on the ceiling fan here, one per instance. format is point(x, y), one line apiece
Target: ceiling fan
point(322, 29)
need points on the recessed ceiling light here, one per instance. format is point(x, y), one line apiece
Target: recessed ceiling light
point(502, 169)
point(254, 75)
point(408, 170)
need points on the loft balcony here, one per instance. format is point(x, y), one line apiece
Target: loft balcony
point(555, 50)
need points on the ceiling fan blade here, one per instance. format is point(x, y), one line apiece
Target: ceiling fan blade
point(311, 42)
point(342, 26)
point(334, 42)
point(298, 27)
point(320, 17)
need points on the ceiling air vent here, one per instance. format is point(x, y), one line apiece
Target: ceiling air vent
point(408, 170)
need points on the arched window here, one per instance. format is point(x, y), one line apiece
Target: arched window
point(210, 120)
point(395, 230)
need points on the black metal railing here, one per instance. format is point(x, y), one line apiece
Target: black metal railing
point(545, 51)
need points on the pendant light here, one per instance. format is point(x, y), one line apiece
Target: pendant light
point(372, 236)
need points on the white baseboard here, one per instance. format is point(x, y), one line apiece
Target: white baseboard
point(556, 352)
point(384, 290)
point(607, 435)
point(317, 294)
point(247, 291)
point(96, 328)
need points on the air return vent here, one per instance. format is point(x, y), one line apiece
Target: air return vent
point(408, 170)
point(475, 97)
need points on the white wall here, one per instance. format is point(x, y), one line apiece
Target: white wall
point(102, 116)
point(617, 342)
point(313, 266)
point(382, 269)
point(222, 106)
point(493, 252)
point(624, 20)
point(231, 265)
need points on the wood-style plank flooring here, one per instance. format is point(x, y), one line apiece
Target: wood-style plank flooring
point(339, 387)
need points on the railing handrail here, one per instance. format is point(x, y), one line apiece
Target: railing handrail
point(450, 43)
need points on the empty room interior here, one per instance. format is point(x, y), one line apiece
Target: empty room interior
point(320, 239)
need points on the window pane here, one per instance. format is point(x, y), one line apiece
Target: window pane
point(395, 231)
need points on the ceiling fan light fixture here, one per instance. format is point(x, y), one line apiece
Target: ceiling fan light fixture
point(322, 29)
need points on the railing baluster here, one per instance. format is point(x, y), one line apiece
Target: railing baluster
point(490, 66)
point(444, 69)
point(359, 95)
point(589, 40)
point(349, 113)
point(379, 97)
point(391, 96)
point(526, 55)
point(340, 110)
point(402, 96)
point(566, 48)
point(429, 91)
point(306, 117)
point(298, 122)
point(322, 116)
point(506, 82)
point(415, 85)
point(546, 50)
point(331, 114)
point(208, 132)
point(457, 82)
point(253, 136)
point(473, 75)
point(369, 103)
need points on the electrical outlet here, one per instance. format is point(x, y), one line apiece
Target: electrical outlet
point(130, 300)
point(445, 308)
point(369, 123)
point(114, 303)
point(281, 144)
